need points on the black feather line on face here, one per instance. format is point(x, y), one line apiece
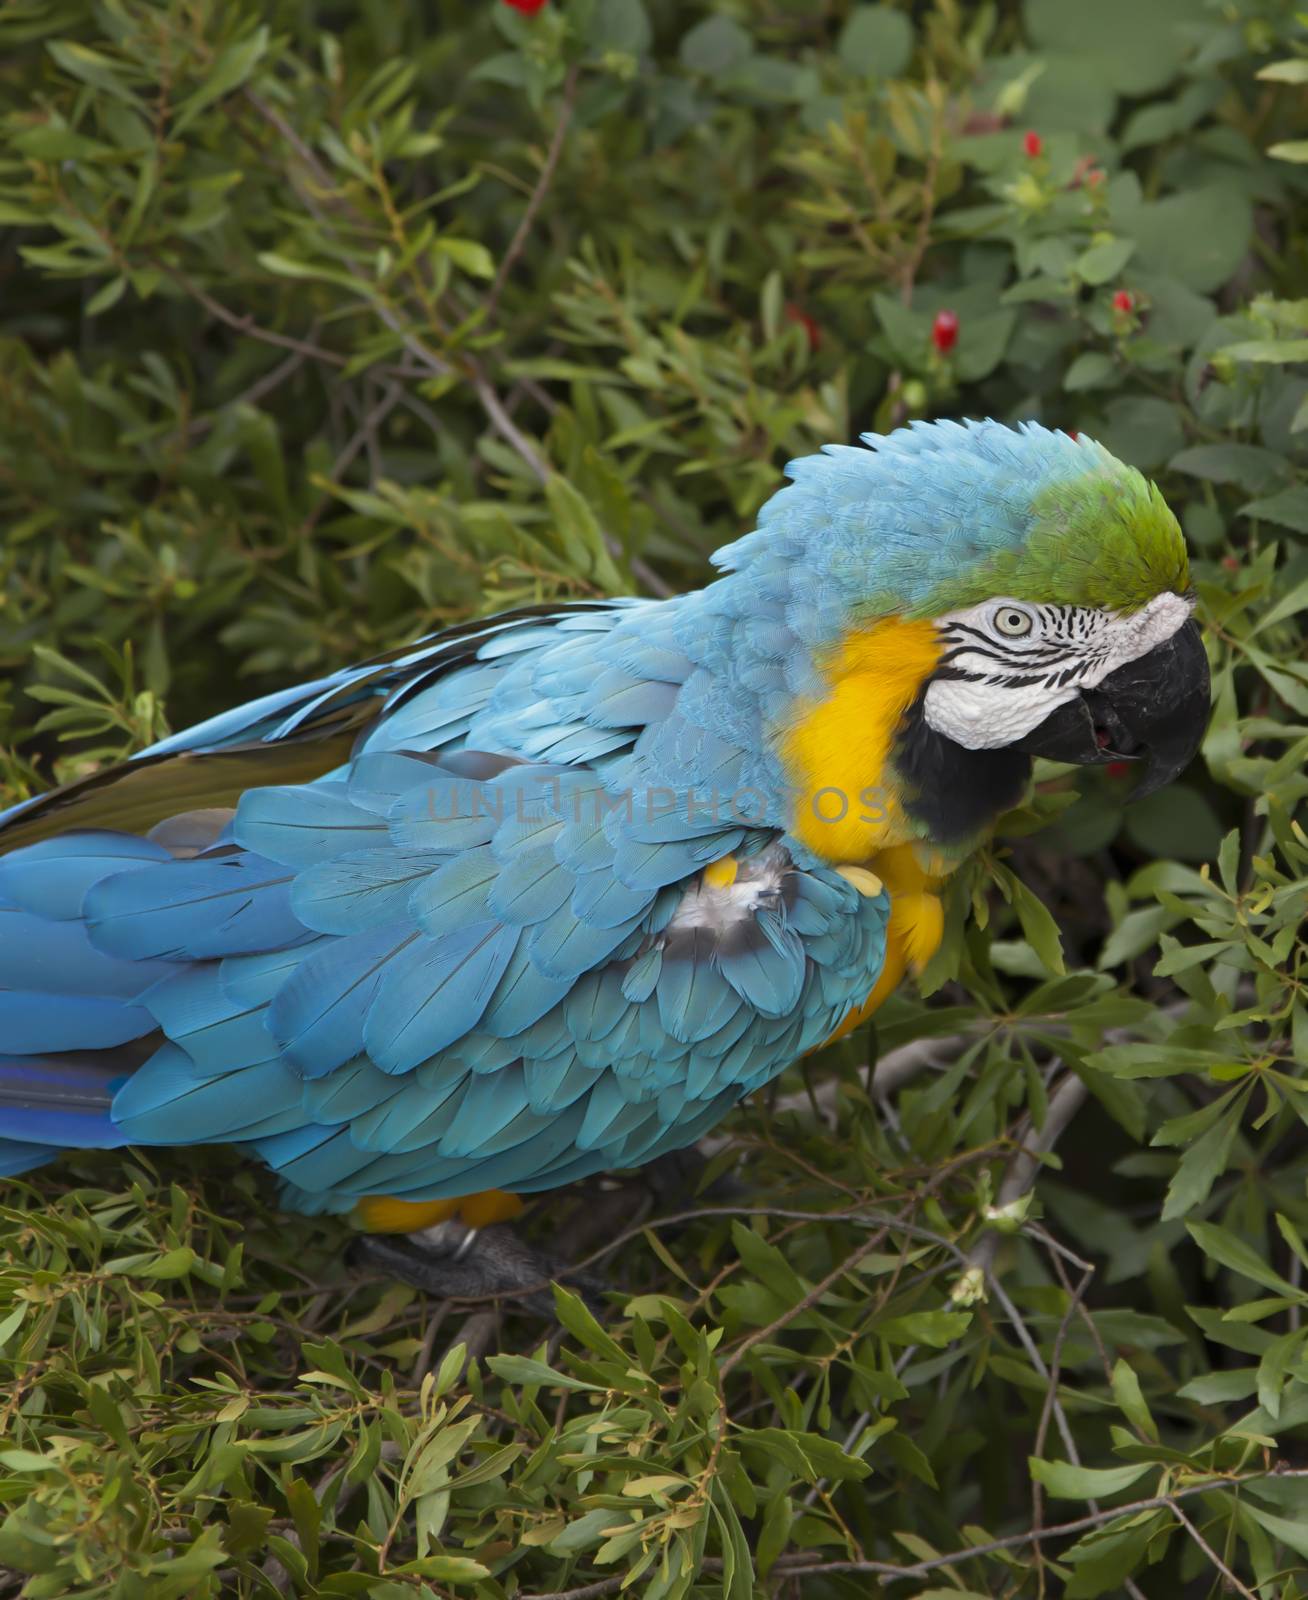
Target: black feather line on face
point(1025, 658)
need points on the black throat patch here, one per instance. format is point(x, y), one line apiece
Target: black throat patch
point(953, 792)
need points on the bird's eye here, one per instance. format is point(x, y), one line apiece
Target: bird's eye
point(1011, 622)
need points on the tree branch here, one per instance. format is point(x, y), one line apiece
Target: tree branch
point(523, 230)
point(795, 1566)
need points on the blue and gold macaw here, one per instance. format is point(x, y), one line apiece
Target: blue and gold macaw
point(548, 893)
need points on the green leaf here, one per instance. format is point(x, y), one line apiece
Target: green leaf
point(1177, 822)
point(1268, 351)
point(1220, 1388)
point(1131, 1400)
point(908, 331)
point(774, 1534)
point(1104, 260)
point(1201, 1165)
point(1142, 430)
point(575, 1315)
point(1198, 236)
point(447, 1569)
point(1294, 70)
point(285, 267)
point(875, 42)
point(620, 25)
point(1141, 46)
point(527, 1370)
point(583, 542)
point(1089, 371)
point(768, 1264)
point(1274, 1366)
point(172, 1264)
point(938, 1329)
point(229, 71)
point(1293, 1535)
point(1137, 932)
point(1253, 468)
point(1039, 927)
point(468, 255)
point(92, 67)
point(1067, 1482)
point(1288, 509)
point(1151, 1060)
point(1228, 1250)
point(715, 46)
point(982, 342)
point(1101, 1561)
point(104, 299)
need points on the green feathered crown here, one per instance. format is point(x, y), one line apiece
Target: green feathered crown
point(940, 516)
point(1103, 538)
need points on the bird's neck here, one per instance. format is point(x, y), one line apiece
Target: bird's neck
point(868, 771)
point(837, 749)
point(953, 794)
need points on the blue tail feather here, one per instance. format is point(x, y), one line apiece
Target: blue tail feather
point(16, 1156)
point(60, 1100)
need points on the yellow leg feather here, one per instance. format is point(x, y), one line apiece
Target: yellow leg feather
point(381, 1213)
point(913, 933)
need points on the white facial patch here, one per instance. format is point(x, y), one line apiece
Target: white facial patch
point(1007, 664)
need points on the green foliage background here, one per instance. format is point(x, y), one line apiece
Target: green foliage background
point(325, 324)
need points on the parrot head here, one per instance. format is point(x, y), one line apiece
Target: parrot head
point(986, 594)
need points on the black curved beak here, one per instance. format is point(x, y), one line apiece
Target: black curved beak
point(1153, 710)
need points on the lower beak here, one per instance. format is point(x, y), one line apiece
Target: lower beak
point(1154, 709)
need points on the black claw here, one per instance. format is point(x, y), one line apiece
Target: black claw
point(459, 1263)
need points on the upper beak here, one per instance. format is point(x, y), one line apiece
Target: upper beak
point(1153, 709)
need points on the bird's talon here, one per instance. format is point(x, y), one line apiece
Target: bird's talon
point(456, 1262)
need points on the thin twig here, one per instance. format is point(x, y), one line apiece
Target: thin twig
point(1046, 1412)
point(246, 324)
point(364, 434)
point(272, 379)
point(806, 1304)
point(1208, 1550)
point(523, 230)
point(1065, 1102)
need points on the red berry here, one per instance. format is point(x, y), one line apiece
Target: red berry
point(1095, 177)
point(1033, 144)
point(1118, 769)
point(944, 331)
point(529, 8)
point(1073, 434)
point(1123, 300)
point(1231, 563)
point(797, 314)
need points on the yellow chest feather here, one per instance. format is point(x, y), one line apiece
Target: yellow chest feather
point(836, 753)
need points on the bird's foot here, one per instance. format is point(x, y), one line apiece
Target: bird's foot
point(457, 1262)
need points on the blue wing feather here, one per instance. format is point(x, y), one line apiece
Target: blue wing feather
point(51, 878)
point(318, 1015)
point(188, 910)
point(167, 1102)
point(449, 965)
point(303, 825)
point(434, 992)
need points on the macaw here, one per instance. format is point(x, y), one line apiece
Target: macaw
point(546, 894)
